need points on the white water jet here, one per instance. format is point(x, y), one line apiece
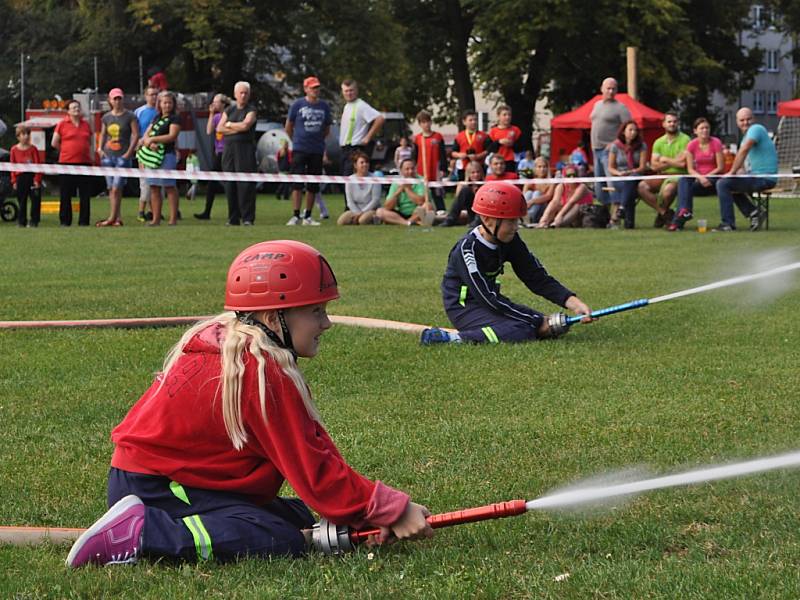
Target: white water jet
point(598, 494)
point(728, 282)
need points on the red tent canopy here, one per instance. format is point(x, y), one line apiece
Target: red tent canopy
point(568, 129)
point(790, 108)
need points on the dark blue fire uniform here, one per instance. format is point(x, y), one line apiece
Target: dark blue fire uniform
point(472, 297)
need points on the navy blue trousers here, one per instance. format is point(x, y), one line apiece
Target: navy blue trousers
point(195, 524)
point(480, 324)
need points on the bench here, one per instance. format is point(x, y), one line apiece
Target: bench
point(761, 200)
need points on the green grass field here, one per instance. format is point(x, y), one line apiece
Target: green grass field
point(699, 380)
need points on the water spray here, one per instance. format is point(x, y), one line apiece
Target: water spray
point(332, 539)
point(329, 538)
point(559, 322)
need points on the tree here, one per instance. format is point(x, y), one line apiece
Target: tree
point(687, 50)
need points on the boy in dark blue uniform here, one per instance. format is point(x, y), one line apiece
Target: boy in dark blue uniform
point(470, 290)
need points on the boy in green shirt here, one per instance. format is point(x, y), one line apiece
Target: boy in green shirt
point(404, 199)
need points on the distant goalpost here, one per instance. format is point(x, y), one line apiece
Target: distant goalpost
point(787, 143)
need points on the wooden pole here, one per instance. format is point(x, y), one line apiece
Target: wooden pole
point(632, 72)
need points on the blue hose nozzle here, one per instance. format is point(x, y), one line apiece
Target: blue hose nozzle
point(610, 310)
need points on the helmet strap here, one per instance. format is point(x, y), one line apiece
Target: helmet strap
point(287, 336)
point(246, 318)
point(495, 239)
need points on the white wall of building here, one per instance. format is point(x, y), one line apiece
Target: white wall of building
point(774, 82)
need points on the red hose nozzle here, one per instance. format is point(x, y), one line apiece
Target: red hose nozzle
point(497, 510)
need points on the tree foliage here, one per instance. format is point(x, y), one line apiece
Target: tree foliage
point(407, 54)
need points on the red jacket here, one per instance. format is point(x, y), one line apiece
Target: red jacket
point(29, 156)
point(503, 133)
point(177, 431)
point(430, 155)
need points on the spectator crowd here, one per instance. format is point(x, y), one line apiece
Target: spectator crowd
point(679, 167)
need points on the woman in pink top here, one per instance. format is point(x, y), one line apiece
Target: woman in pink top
point(703, 160)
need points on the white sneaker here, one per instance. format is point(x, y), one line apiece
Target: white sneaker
point(293, 221)
point(310, 221)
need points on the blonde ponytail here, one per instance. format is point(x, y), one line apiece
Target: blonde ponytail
point(238, 338)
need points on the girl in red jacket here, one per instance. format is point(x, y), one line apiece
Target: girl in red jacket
point(200, 458)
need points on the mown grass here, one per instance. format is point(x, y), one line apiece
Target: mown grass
point(698, 380)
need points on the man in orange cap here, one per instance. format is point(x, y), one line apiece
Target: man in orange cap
point(308, 124)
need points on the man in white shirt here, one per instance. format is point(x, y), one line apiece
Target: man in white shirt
point(360, 123)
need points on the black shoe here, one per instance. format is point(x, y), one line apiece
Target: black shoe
point(757, 219)
point(231, 223)
point(724, 228)
point(247, 223)
point(448, 222)
point(202, 216)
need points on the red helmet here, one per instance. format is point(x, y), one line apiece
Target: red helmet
point(279, 274)
point(500, 200)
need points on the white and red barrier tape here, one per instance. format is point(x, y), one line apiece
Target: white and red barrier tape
point(63, 169)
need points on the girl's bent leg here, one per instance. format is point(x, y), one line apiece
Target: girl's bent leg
point(194, 524)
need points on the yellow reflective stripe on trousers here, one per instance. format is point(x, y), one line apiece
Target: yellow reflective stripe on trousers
point(462, 297)
point(202, 540)
point(490, 334)
point(180, 493)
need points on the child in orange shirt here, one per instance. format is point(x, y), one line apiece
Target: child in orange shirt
point(27, 185)
point(431, 156)
point(505, 136)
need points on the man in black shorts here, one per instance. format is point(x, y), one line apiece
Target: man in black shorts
point(308, 125)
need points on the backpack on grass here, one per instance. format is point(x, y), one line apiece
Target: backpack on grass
point(594, 216)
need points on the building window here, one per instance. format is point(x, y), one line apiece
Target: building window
point(759, 99)
point(772, 61)
point(772, 102)
point(762, 17)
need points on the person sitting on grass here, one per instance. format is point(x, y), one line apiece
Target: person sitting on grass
point(200, 458)
point(465, 196)
point(470, 290)
point(362, 199)
point(497, 169)
point(564, 208)
point(405, 201)
point(538, 195)
point(580, 159)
